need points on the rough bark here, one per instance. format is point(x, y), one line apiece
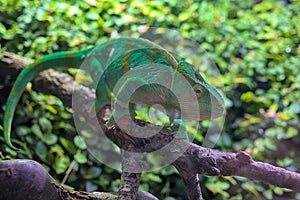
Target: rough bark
point(27, 179)
point(195, 160)
point(200, 160)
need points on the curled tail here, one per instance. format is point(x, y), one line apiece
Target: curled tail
point(62, 60)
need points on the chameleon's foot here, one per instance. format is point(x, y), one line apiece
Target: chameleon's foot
point(118, 112)
point(124, 121)
point(110, 121)
point(179, 129)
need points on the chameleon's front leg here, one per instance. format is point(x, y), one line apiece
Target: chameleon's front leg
point(179, 128)
point(122, 103)
point(177, 125)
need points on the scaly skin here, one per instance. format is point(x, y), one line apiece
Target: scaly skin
point(122, 55)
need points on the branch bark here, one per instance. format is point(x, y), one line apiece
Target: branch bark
point(194, 160)
point(200, 160)
point(27, 179)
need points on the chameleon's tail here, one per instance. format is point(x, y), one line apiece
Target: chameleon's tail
point(62, 60)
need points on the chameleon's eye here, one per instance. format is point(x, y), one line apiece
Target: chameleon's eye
point(198, 90)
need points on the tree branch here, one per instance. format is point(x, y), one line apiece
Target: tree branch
point(200, 160)
point(27, 179)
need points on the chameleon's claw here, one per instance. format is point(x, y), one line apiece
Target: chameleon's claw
point(111, 121)
point(179, 128)
point(175, 125)
point(116, 114)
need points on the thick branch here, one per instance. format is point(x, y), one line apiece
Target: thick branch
point(199, 160)
point(12, 64)
point(27, 179)
point(243, 165)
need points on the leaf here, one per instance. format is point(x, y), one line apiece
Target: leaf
point(41, 150)
point(79, 142)
point(285, 162)
point(240, 80)
point(45, 124)
point(155, 178)
point(22, 130)
point(50, 139)
point(279, 191)
point(218, 187)
point(183, 16)
point(37, 131)
point(80, 157)
point(92, 172)
point(283, 116)
point(68, 145)
point(291, 132)
point(247, 97)
point(61, 164)
point(167, 171)
point(268, 194)
point(250, 188)
point(90, 186)
point(51, 109)
point(2, 28)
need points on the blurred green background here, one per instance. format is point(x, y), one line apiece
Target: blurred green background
point(255, 45)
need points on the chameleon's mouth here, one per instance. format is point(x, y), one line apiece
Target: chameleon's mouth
point(208, 115)
point(207, 112)
point(215, 113)
point(217, 109)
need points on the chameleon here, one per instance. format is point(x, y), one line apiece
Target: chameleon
point(122, 55)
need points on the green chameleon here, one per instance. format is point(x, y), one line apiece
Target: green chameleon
point(115, 58)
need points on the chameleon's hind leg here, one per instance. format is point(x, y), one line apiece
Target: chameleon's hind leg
point(122, 105)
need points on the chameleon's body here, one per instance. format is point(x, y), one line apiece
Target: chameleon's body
point(122, 55)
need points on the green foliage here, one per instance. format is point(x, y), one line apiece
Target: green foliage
point(256, 46)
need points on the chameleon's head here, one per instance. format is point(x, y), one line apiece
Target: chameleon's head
point(211, 103)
